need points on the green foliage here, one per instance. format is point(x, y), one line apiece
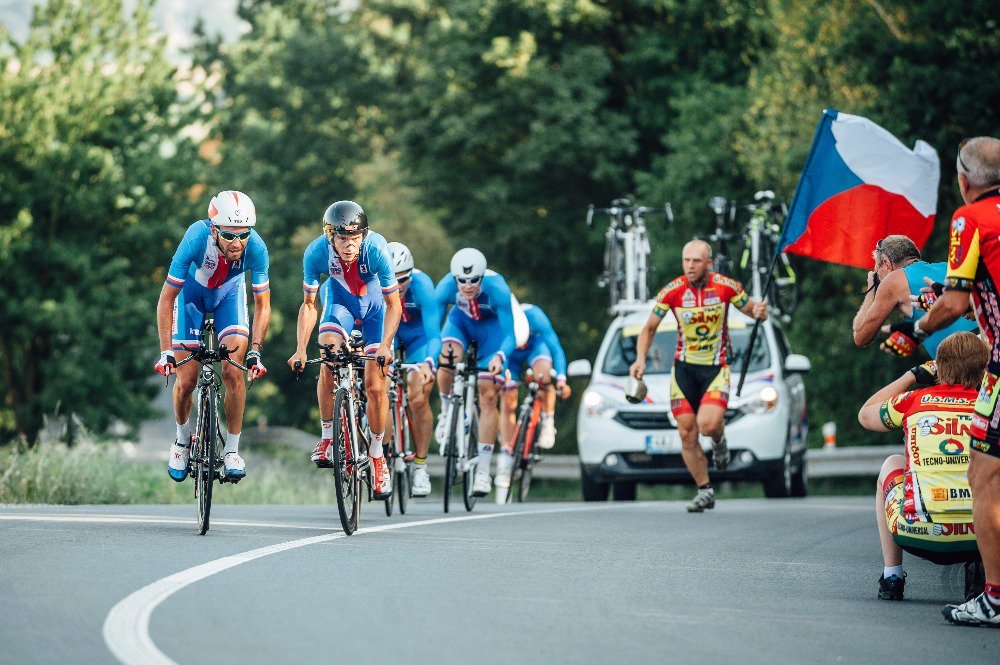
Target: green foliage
point(95, 169)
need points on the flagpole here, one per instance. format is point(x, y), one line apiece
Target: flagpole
point(756, 325)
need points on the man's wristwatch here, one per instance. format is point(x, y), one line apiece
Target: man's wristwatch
point(918, 334)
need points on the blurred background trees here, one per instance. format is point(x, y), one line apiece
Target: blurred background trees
point(491, 123)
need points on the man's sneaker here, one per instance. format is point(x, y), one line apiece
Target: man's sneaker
point(703, 500)
point(505, 464)
point(321, 454)
point(381, 478)
point(720, 454)
point(547, 434)
point(177, 465)
point(421, 482)
point(976, 612)
point(481, 486)
point(891, 588)
point(234, 466)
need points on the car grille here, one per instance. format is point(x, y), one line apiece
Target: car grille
point(646, 461)
point(645, 419)
point(660, 419)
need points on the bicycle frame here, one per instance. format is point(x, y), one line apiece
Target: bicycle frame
point(399, 453)
point(528, 420)
point(464, 401)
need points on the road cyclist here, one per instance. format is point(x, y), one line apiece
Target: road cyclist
point(361, 293)
point(480, 303)
point(207, 275)
point(699, 391)
point(542, 353)
point(419, 337)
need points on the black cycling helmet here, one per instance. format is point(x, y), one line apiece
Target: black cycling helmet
point(346, 217)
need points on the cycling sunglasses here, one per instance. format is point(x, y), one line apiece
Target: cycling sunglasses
point(961, 162)
point(468, 280)
point(230, 236)
point(405, 278)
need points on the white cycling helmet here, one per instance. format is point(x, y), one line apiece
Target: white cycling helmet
point(232, 208)
point(402, 259)
point(468, 262)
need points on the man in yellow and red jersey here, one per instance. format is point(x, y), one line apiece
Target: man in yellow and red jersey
point(924, 493)
point(974, 267)
point(699, 386)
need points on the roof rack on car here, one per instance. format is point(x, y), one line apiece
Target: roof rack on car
point(629, 306)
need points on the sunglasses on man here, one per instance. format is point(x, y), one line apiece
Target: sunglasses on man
point(961, 162)
point(468, 280)
point(230, 236)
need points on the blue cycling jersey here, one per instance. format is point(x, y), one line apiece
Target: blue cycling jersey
point(198, 260)
point(915, 273)
point(420, 325)
point(489, 309)
point(367, 279)
point(541, 332)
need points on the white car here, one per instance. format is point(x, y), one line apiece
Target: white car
point(622, 444)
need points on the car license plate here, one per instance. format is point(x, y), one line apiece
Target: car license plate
point(659, 444)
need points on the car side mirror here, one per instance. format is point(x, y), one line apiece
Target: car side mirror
point(582, 367)
point(797, 364)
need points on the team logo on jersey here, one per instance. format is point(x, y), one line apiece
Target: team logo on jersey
point(363, 268)
point(210, 263)
point(335, 268)
point(687, 300)
point(958, 225)
point(926, 423)
point(951, 447)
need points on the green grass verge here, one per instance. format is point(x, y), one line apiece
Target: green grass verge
point(95, 472)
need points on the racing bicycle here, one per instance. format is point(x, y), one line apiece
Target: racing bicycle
point(207, 442)
point(722, 237)
point(460, 450)
point(763, 231)
point(399, 454)
point(525, 453)
point(352, 467)
point(626, 251)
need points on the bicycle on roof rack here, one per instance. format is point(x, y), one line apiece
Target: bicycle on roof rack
point(626, 251)
point(763, 231)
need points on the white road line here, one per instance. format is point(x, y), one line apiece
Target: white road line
point(150, 519)
point(126, 628)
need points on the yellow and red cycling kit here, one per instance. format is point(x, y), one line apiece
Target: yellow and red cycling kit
point(928, 506)
point(700, 374)
point(974, 266)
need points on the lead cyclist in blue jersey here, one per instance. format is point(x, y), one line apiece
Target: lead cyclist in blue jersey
point(482, 312)
point(419, 336)
point(361, 293)
point(208, 274)
point(542, 353)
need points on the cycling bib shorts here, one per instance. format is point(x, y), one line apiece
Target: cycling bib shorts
point(944, 543)
point(194, 302)
point(692, 385)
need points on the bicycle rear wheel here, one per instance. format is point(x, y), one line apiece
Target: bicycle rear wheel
point(471, 451)
point(451, 453)
point(346, 475)
point(516, 471)
point(203, 457)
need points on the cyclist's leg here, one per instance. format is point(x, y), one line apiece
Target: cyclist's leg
point(187, 322)
point(232, 324)
point(508, 400)
point(541, 365)
point(376, 389)
point(335, 323)
point(888, 508)
point(418, 395)
point(685, 399)
point(489, 337)
point(454, 340)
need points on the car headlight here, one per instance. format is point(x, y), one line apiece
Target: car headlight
point(765, 400)
point(598, 406)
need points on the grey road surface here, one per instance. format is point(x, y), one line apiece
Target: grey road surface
point(753, 581)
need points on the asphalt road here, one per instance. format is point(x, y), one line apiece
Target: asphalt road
point(753, 581)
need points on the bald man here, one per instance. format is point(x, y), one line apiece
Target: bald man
point(699, 386)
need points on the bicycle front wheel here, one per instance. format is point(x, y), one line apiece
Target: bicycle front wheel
point(451, 453)
point(346, 476)
point(471, 451)
point(402, 486)
point(203, 457)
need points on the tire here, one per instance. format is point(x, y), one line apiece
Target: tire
point(346, 476)
point(525, 485)
point(451, 451)
point(593, 490)
point(402, 489)
point(204, 458)
point(800, 479)
point(472, 450)
point(623, 491)
point(779, 485)
point(517, 470)
point(403, 485)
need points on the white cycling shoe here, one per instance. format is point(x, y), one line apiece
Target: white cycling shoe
point(505, 464)
point(421, 482)
point(481, 486)
point(177, 464)
point(547, 434)
point(234, 466)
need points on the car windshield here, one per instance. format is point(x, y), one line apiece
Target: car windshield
point(621, 352)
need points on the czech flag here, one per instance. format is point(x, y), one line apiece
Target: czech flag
point(859, 185)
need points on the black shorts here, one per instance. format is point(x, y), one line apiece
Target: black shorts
point(693, 385)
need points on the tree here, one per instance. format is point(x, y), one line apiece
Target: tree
point(95, 178)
